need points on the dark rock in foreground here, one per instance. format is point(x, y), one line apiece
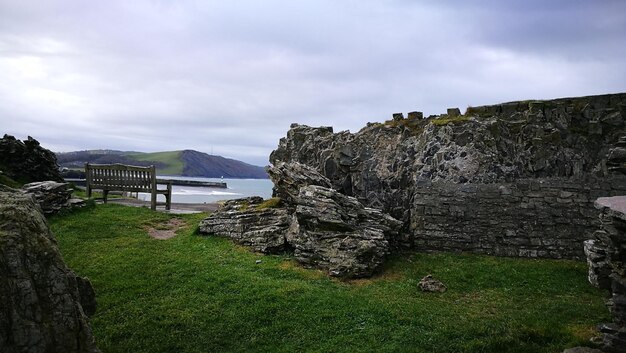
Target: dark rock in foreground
point(40, 297)
point(325, 228)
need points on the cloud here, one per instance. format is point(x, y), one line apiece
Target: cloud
point(231, 76)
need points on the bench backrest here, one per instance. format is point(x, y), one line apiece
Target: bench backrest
point(120, 177)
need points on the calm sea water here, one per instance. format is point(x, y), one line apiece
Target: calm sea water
point(237, 188)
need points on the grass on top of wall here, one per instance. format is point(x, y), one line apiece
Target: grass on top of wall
point(204, 294)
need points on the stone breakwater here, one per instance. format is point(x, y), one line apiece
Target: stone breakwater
point(514, 179)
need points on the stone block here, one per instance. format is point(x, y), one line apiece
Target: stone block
point(454, 112)
point(415, 115)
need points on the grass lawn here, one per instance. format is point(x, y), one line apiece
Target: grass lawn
point(205, 294)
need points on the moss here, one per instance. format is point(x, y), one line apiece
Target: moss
point(480, 112)
point(244, 206)
point(415, 126)
point(446, 120)
point(274, 202)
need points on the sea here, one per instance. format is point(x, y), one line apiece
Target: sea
point(237, 188)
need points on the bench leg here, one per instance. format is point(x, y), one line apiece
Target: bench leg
point(105, 194)
point(153, 200)
point(168, 197)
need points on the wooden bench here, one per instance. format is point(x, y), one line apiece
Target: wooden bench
point(120, 177)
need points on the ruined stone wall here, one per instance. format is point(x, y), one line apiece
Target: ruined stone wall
point(511, 179)
point(548, 218)
point(606, 256)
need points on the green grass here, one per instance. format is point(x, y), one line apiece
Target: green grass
point(273, 202)
point(205, 294)
point(170, 158)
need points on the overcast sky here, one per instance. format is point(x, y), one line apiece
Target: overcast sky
point(229, 77)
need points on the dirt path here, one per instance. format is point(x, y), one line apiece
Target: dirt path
point(167, 230)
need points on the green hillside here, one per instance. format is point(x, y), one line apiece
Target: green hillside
point(184, 163)
point(170, 161)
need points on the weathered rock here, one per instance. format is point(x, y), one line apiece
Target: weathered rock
point(40, 302)
point(263, 230)
point(430, 284)
point(336, 232)
point(27, 161)
point(289, 177)
point(52, 196)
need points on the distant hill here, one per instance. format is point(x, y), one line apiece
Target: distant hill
point(184, 163)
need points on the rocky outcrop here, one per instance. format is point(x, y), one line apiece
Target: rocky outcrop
point(52, 196)
point(27, 161)
point(324, 228)
point(41, 299)
point(606, 255)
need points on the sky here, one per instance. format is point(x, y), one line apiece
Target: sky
point(229, 77)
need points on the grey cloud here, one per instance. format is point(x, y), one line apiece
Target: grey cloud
point(232, 76)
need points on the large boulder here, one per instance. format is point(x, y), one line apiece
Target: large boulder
point(40, 297)
point(27, 161)
point(336, 232)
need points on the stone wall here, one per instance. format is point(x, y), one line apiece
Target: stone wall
point(606, 256)
point(548, 218)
